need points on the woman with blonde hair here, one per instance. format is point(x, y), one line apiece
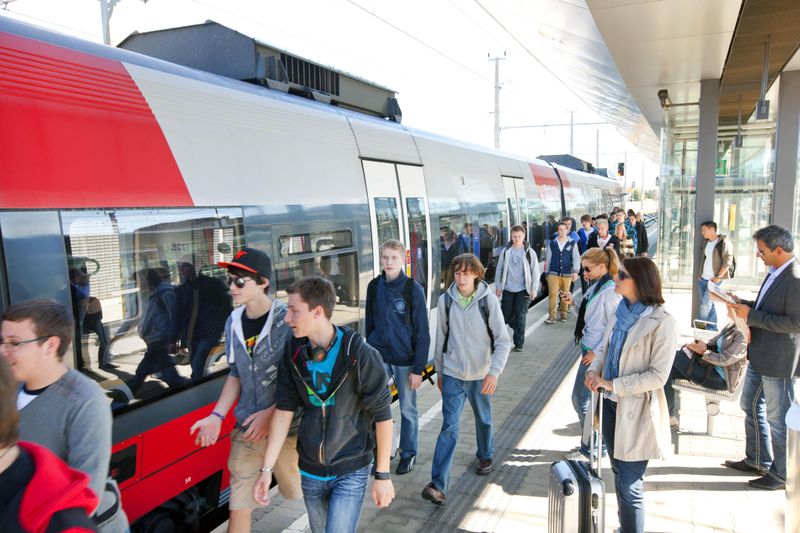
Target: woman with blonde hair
point(599, 304)
point(626, 246)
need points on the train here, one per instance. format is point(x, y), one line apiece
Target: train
point(114, 162)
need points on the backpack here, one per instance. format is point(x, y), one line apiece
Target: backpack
point(372, 291)
point(484, 309)
point(718, 250)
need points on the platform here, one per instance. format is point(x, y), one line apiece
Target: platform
point(689, 492)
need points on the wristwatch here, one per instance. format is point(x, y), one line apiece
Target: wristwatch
point(382, 476)
point(265, 470)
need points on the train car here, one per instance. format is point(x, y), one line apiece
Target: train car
point(116, 166)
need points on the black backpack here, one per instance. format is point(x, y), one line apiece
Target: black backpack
point(718, 250)
point(372, 291)
point(483, 305)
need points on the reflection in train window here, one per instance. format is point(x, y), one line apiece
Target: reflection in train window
point(315, 242)
point(148, 299)
point(482, 234)
point(340, 269)
point(418, 241)
point(387, 219)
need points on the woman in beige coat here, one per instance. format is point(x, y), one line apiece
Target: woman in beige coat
point(632, 364)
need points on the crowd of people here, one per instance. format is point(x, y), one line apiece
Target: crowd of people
point(311, 402)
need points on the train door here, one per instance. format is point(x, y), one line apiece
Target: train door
point(398, 209)
point(516, 200)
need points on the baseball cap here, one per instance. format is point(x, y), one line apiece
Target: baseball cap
point(250, 260)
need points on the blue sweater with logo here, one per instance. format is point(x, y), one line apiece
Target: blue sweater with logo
point(387, 329)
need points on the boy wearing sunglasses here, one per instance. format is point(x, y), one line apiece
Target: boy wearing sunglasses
point(255, 338)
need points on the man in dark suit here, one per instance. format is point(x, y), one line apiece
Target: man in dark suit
point(774, 321)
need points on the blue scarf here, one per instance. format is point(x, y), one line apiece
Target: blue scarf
point(627, 315)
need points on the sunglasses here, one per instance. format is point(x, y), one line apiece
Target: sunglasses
point(239, 282)
point(622, 275)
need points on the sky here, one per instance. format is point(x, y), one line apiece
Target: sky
point(434, 53)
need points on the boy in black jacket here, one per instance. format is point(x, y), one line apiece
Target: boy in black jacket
point(340, 382)
point(397, 326)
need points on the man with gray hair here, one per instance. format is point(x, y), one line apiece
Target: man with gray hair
point(774, 321)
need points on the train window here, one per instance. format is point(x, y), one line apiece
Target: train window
point(307, 243)
point(387, 219)
point(418, 241)
point(149, 301)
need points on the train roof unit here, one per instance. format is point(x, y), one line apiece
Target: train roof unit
point(217, 49)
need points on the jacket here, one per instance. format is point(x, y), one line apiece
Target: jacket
point(532, 274)
point(257, 375)
point(627, 248)
point(584, 238)
point(723, 258)
point(601, 307)
point(642, 430)
point(204, 299)
point(469, 354)
point(732, 357)
point(775, 327)
point(593, 242)
point(563, 262)
point(335, 435)
point(53, 497)
point(389, 330)
point(643, 245)
point(158, 322)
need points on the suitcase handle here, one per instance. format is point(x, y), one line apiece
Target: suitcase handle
point(595, 452)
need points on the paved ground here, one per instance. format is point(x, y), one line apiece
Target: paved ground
point(689, 492)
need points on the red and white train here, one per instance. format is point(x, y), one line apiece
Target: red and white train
point(113, 162)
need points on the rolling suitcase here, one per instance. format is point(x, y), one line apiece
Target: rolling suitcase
point(576, 495)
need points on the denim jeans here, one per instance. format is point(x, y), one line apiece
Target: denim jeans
point(409, 416)
point(581, 399)
point(157, 361)
point(701, 375)
point(454, 393)
point(628, 478)
point(335, 506)
point(765, 401)
point(515, 312)
point(706, 310)
point(200, 349)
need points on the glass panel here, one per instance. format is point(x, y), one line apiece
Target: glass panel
point(341, 269)
point(480, 234)
point(387, 219)
point(512, 211)
point(418, 241)
point(144, 282)
point(307, 243)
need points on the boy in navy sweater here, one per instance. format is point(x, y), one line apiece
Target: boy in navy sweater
point(402, 337)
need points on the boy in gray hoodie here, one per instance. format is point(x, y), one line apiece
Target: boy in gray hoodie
point(472, 346)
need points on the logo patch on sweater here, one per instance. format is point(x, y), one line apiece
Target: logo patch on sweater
point(400, 306)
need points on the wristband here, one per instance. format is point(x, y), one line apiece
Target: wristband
point(265, 470)
point(221, 417)
point(382, 476)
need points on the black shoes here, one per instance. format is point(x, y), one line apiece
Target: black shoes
point(767, 482)
point(744, 467)
point(405, 465)
point(433, 495)
point(483, 467)
point(517, 348)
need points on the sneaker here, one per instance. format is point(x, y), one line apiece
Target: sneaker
point(674, 422)
point(405, 465)
point(744, 466)
point(576, 455)
point(483, 467)
point(517, 348)
point(550, 321)
point(433, 495)
point(767, 482)
point(562, 319)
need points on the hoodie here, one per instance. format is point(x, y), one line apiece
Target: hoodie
point(469, 354)
point(39, 493)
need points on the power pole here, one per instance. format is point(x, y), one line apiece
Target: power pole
point(497, 98)
point(571, 132)
point(106, 9)
point(596, 148)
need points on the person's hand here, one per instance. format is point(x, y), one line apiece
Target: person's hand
point(587, 359)
point(439, 379)
point(740, 310)
point(533, 296)
point(698, 347)
point(382, 492)
point(257, 425)
point(498, 292)
point(574, 276)
point(734, 297)
point(209, 428)
point(566, 297)
point(261, 488)
point(590, 378)
point(489, 385)
point(414, 381)
point(716, 280)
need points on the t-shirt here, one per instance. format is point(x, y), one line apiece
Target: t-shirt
point(25, 396)
point(515, 281)
point(321, 381)
point(708, 265)
point(251, 328)
point(602, 241)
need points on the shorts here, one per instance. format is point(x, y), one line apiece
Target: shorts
point(244, 463)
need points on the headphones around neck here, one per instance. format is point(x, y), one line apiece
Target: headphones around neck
point(318, 354)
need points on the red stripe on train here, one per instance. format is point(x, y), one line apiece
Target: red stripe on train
point(77, 132)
